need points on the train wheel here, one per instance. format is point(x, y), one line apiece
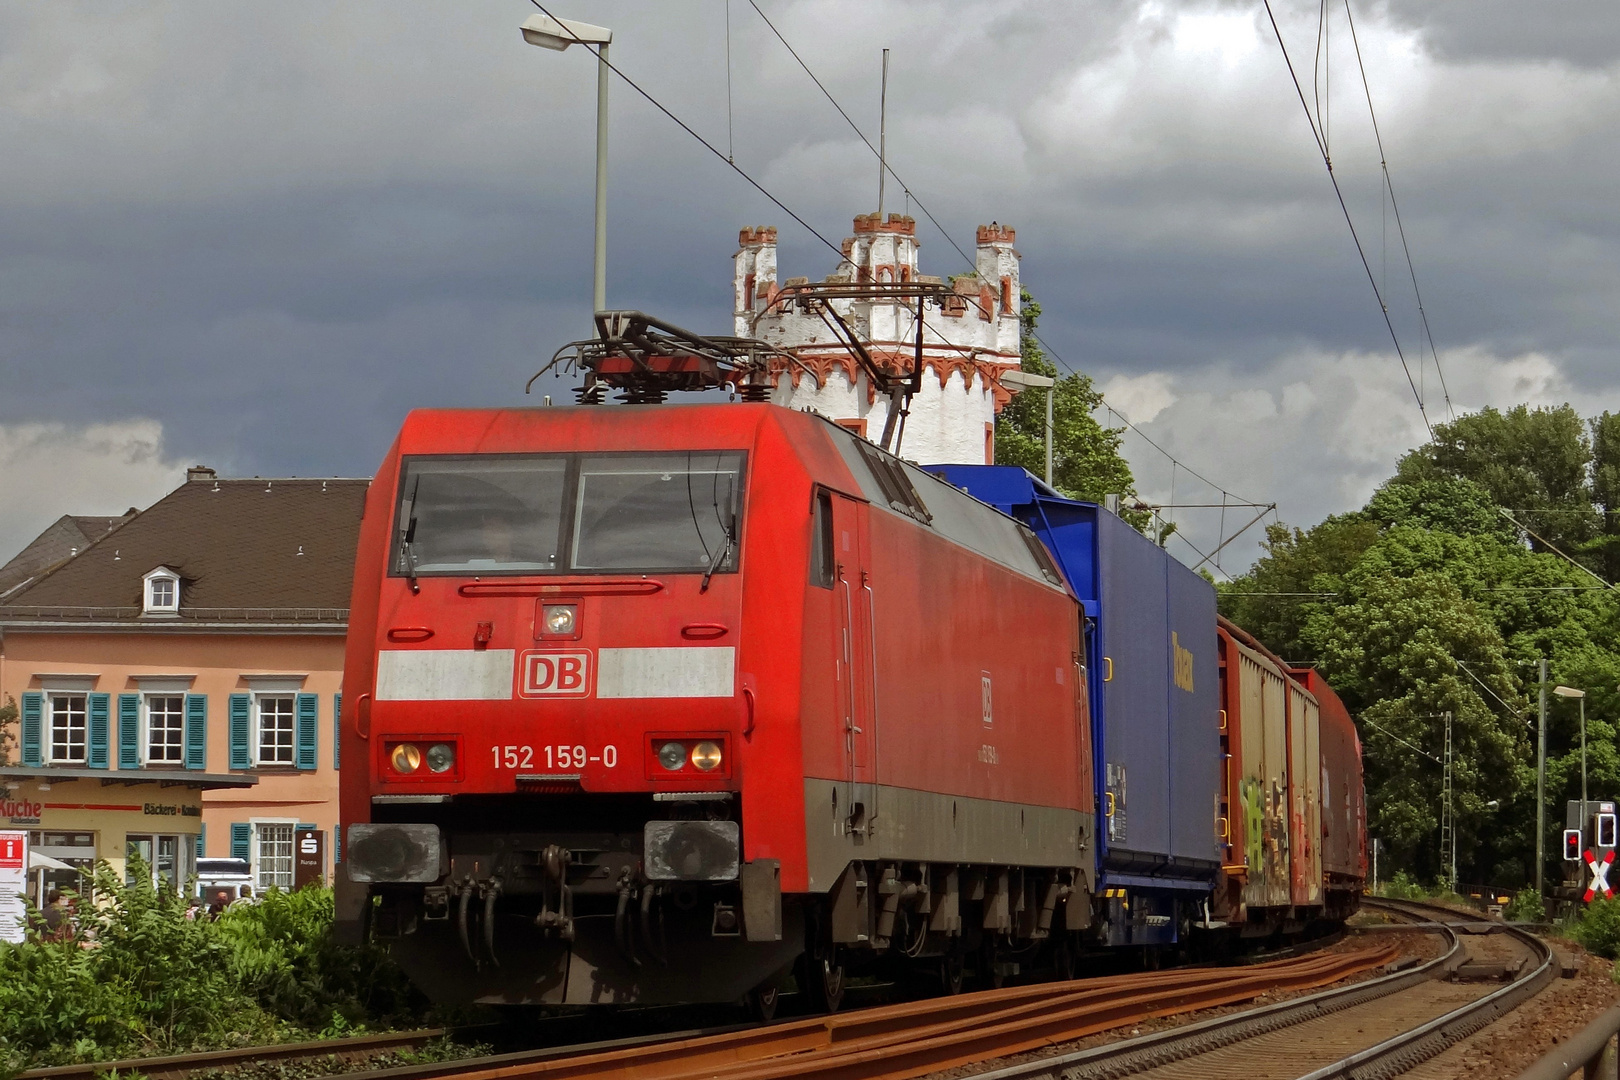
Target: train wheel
point(950, 972)
point(762, 1003)
point(824, 977)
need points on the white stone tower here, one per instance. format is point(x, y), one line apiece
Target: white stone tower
point(966, 346)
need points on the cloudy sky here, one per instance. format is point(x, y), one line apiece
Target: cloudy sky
point(255, 236)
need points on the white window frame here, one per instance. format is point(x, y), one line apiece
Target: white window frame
point(259, 699)
point(255, 844)
point(185, 857)
point(146, 728)
point(150, 583)
point(49, 726)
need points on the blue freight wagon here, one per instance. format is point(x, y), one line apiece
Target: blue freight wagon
point(1155, 703)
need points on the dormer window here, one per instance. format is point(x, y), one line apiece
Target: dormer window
point(162, 592)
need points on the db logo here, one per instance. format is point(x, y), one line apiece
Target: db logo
point(556, 674)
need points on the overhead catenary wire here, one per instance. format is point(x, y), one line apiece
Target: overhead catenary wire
point(1464, 669)
point(1395, 206)
point(1344, 207)
point(910, 195)
point(943, 232)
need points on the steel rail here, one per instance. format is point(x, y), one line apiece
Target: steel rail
point(913, 1038)
point(179, 1065)
point(1191, 1040)
point(1411, 1048)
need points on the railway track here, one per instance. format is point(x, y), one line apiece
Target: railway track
point(173, 1067)
point(1370, 1025)
point(1370, 1021)
point(915, 1038)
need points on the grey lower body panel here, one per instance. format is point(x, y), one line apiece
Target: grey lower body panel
point(907, 825)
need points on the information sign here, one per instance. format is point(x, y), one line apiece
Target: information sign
point(13, 885)
point(309, 865)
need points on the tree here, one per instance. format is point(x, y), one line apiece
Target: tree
point(1300, 573)
point(1429, 600)
point(1533, 462)
point(1606, 493)
point(1404, 646)
point(8, 720)
point(1086, 462)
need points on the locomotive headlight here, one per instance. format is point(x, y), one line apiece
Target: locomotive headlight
point(672, 755)
point(440, 757)
point(406, 758)
point(706, 756)
point(559, 618)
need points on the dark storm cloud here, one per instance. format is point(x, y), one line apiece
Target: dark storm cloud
point(1582, 32)
point(275, 230)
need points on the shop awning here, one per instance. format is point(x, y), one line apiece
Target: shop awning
point(36, 861)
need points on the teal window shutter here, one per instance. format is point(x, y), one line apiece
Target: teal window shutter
point(337, 844)
point(241, 753)
point(98, 749)
point(241, 836)
point(33, 728)
point(202, 839)
point(129, 731)
point(337, 728)
point(196, 731)
point(308, 721)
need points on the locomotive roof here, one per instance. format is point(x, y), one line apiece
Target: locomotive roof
point(944, 509)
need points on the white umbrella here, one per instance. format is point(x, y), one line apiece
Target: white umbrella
point(36, 861)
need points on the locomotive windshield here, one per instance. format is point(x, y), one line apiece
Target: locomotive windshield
point(561, 513)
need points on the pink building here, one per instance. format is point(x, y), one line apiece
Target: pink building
point(178, 678)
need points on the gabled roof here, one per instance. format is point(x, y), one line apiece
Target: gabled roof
point(247, 551)
point(64, 538)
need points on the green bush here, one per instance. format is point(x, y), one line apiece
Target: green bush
point(282, 948)
point(1526, 906)
point(1403, 886)
point(139, 977)
point(1598, 928)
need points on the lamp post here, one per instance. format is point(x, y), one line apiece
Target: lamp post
point(1025, 380)
point(1579, 695)
point(557, 35)
point(1541, 781)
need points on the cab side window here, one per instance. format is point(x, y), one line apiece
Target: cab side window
point(823, 565)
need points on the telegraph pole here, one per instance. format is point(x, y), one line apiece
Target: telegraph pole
point(1541, 781)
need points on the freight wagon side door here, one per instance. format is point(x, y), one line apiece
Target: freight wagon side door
point(1250, 769)
point(855, 652)
point(1274, 706)
point(1304, 816)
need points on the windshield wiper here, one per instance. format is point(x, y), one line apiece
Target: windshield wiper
point(407, 547)
point(714, 563)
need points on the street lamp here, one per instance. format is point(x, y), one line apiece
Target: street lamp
point(557, 35)
point(1027, 381)
point(1579, 695)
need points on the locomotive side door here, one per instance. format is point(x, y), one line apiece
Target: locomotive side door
point(854, 603)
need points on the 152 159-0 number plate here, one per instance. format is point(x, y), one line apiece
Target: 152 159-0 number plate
point(557, 756)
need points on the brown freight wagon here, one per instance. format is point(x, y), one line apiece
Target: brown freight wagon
point(1294, 827)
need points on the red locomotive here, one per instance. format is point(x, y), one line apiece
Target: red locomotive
point(655, 703)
